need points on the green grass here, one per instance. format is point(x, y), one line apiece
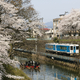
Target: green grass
point(15, 71)
point(69, 40)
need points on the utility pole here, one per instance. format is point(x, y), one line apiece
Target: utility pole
point(36, 43)
point(41, 19)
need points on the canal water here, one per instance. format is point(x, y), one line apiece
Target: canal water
point(50, 72)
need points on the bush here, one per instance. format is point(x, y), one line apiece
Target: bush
point(56, 40)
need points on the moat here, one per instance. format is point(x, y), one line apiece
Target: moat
point(50, 72)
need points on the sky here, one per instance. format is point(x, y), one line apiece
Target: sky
point(51, 9)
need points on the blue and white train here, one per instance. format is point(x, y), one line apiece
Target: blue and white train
point(62, 48)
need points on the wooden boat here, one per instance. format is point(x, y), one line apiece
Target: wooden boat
point(30, 65)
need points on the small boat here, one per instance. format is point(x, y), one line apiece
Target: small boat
point(31, 65)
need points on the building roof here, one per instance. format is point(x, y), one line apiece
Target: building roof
point(45, 29)
point(50, 31)
point(56, 19)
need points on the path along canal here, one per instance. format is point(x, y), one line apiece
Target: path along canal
point(50, 72)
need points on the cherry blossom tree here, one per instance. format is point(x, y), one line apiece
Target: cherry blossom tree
point(25, 9)
point(35, 25)
point(9, 18)
point(70, 21)
point(7, 10)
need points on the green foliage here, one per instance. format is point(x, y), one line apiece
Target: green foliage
point(69, 40)
point(15, 71)
point(56, 40)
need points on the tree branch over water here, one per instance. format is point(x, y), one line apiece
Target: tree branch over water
point(9, 20)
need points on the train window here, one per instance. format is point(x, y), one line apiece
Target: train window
point(62, 47)
point(77, 47)
point(71, 47)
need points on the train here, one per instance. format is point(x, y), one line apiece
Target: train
point(70, 49)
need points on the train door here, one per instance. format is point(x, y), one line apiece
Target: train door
point(74, 49)
point(53, 47)
point(71, 49)
point(77, 49)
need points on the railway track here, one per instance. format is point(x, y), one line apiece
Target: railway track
point(64, 54)
point(54, 56)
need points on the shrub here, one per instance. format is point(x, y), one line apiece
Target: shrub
point(56, 40)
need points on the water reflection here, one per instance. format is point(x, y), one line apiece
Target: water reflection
point(50, 72)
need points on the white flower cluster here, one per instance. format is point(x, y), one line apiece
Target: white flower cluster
point(17, 22)
point(9, 18)
point(35, 25)
point(4, 59)
point(10, 9)
point(15, 77)
point(0, 76)
point(70, 21)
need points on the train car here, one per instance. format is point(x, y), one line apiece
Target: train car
point(63, 48)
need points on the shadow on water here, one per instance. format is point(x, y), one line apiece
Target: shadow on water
point(51, 72)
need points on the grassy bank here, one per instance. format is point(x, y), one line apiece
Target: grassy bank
point(69, 40)
point(30, 45)
point(15, 71)
point(66, 65)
